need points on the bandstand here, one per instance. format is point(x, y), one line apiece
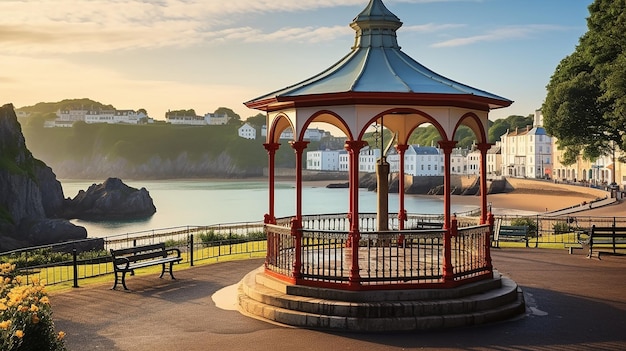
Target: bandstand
point(378, 272)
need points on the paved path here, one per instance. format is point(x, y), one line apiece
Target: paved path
point(573, 304)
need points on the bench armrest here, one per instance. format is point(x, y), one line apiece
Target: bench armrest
point(174, 249)
point(120, 260)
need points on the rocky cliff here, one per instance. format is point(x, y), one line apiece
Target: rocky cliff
point(30, 195)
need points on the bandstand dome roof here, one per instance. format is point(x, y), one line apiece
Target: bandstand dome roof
point(377, 71)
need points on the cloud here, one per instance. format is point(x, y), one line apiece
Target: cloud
point(431, 27)
point(71, 26)
point(50, 79)
point(302, 34)
point(500, 34)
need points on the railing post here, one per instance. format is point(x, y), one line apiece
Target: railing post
point(536, 234)
point(296, 233)
point(191, 246)
point(75, 265)
point(491, 220)
point(448, 269)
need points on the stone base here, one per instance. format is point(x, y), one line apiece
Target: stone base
point(482, 302)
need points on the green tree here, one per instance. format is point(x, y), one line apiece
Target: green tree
point(257, 121)
point(234, 118)
point(501, 126)
point(67, 104)
point(190, 112)
point(585, 107)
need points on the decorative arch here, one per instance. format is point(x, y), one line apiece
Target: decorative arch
point(330, 117)
point(473, 122)
point(280, 123)
point(404, 121)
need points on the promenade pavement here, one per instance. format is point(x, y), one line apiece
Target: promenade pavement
point(573, 303)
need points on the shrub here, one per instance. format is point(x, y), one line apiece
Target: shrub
point(561, 228)
point(25, 315)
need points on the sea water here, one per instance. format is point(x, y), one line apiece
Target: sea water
point(206, 202)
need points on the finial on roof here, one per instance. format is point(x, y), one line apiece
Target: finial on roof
point(376, 26)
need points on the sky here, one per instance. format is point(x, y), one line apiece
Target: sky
point(165, 55)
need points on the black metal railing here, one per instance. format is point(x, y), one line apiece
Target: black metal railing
point(75, 260)
point(408, 257)
point(323, 236)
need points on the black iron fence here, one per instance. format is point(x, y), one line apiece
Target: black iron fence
point(72, 261)
point(75, 260)
point(561, 231)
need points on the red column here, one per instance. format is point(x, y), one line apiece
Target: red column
point(296, 223)
point(271, 148)
point(447, 147)
point(353, 148)
point(298, 147)
point(401, 211)
point(483, 147)
point(448, 270)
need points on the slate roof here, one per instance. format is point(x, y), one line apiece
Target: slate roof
point(377, 64)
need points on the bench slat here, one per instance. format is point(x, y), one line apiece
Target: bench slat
point(135, 249)
point(511, 233)
point(606, 237)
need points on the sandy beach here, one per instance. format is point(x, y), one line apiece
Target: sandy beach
point(540, 201)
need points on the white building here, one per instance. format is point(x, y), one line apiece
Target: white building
point(323, 160)
point(473, 162)
point(71, 115)
point(458, 161)
point(208, 119)
point(344, 161)
point(114, 117)
point(213, 119)
point(184, 119)
point(312, 134)
point(66, 118)
point(368, 158)
point(494, 160)
point(418, 161)
point(247, 131)
point(527, 153)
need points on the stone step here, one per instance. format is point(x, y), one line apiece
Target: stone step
point(270, 301)
point(379, 324)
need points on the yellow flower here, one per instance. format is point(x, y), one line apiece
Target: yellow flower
point(35, 318)
point(45, 300)
point(3, 307)
point(19, 333)
point(5, 324)
point(34, 308)
point(61, 335)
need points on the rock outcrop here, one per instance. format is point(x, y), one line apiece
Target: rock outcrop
point(30, 195)
point(110, 200)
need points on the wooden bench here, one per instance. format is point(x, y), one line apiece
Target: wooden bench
point(613, 238)
point(129, 259)
point(509, 233)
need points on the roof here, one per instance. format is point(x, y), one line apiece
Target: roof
point(424, 150)
point(528, 131)
point(494, 150)
point(376, 64)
